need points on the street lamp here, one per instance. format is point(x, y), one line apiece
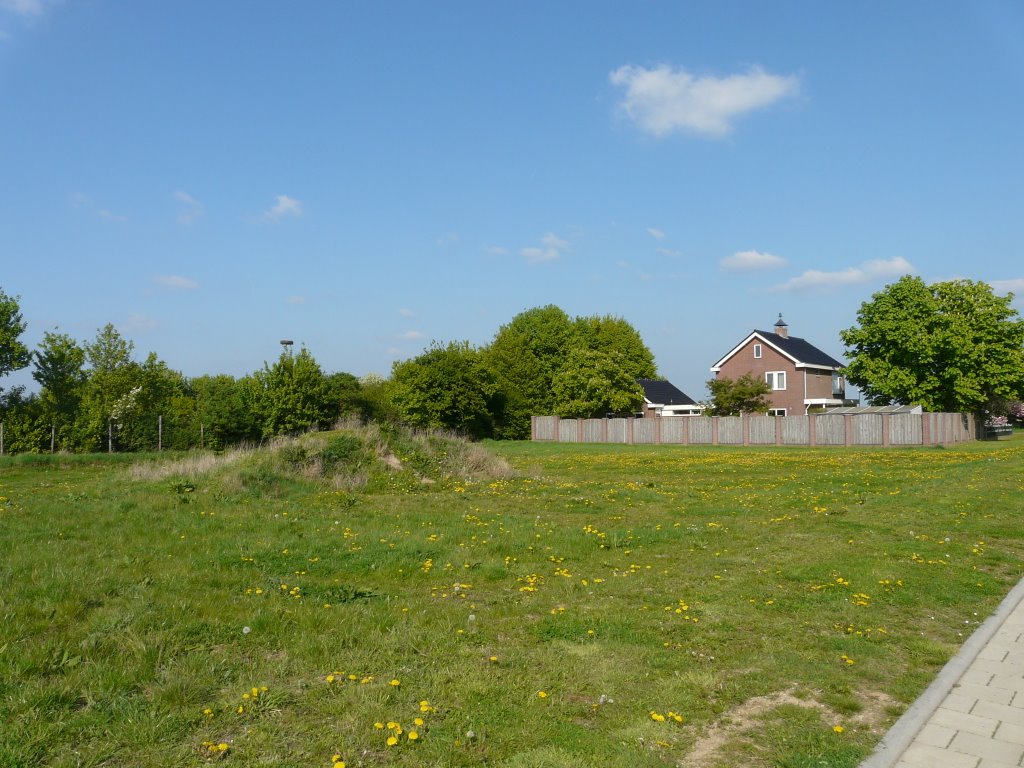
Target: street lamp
point(287, 345)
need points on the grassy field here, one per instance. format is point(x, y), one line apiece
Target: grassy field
point(595, 606)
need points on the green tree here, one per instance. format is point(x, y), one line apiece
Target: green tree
point(731, 397)
point(447, 387)
point(291, 395)
point(614, 334)
point(952, 346)
point(14, 355)
point(530, 352)
point(59, 370)
point(593, 383)
point(221, 415)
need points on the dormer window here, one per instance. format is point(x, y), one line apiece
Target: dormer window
point(757, 351)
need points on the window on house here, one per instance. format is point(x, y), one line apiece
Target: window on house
point(836, 383)
point(757, 351)
point(776, 379)
point(776, 411)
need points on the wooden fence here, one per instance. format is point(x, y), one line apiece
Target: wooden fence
point(821, 429)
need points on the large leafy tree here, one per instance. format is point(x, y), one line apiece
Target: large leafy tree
point(291, 395)
point(731, 397)
point(539, 346)
point(14, 355)
point(447, 387)
point(594, 383)
point(59, 369)
point(951, 346)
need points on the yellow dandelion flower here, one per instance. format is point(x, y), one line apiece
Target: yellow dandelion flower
point(413, 736)
point(392, 740)
point(379, 726)
point(329, 678)
point(838, 729)
point(657, 717)
point(222, 747)
point(542, 694)
point(395, 683)
point(418, 721)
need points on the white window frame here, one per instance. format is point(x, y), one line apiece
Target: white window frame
point(776, 411)
point(774, 379)
point(757, 351)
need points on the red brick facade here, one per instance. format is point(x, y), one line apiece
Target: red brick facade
point(798, 386)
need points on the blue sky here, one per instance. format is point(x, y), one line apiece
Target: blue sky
point(365, 178)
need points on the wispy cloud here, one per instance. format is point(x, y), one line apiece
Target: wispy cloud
point(138, 323)
point(406, 312)
point(670, 253)
point(664, 100)
point(192, 210)
point(495, 250)
point(657, 234)
point(104, 213)
point(449, 239)
point(814, 280)
point(1002, 287)
point(552, 248)
point(752, 261)
point(23, 7)
point(296, 299)
point(284, 206)
point(410, 336)
point(176, 282)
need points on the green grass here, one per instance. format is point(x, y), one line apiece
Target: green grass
point(765, 596)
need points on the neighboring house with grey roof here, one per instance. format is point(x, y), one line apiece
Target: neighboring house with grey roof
point(662, 398)
point(802, 377)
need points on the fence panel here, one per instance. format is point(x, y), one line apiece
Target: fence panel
point(700, 429)
point(645, 431)
point(730, 430)
point(618, 431)
point(796, 430)
point(867, 430)
point(762, 430)
point(673, 429)
point(905, 429)
point(831, 429)
point(567, 431)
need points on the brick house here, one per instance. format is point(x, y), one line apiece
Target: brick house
point(662, 398)
point(802, 377)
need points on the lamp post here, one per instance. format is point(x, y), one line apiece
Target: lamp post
point(286, 345)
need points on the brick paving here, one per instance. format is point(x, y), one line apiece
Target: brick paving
point(972, 716)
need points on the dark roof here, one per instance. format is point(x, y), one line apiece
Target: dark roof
point(664, 393)
point(800, 349)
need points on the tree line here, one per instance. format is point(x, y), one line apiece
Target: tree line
point(95, 396)
point(952, 346)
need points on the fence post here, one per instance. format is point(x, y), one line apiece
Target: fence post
point(159, 433)
point(53, 437)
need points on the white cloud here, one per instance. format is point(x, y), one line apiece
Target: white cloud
point(176, 282)
point(410, 336)
point(752, 261)
point(405, 312)
point(495, 250)
point(285, 206)
point(450, 238)
point(669, 252)
point(22, 7)
point(138, 323)
point(657, 234)
point(869, 271)
point(192, 210)
point(554, 247)
point(103, 213)
point(296, 299)
point(1003, 287)
point(664, 100)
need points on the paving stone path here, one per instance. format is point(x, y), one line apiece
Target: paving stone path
point(972, 715)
